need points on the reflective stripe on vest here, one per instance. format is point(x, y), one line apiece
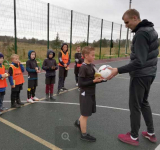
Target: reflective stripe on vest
point(79, 65)
point(17, 75)
point(65, 58)
point(3, 82)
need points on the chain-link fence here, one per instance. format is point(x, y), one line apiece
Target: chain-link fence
point(34, 25)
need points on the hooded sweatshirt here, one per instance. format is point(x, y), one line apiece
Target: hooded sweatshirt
point(48, 64)
point(78, 58)
point(31, 64)
point(144, 51)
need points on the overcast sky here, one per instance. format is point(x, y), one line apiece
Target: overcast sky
point(113, 10)
point(32, 17)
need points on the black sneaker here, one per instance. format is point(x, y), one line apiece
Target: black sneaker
point(47, 97)
point(15, 106)
point(77, 124)
point(20, 103)
point(52, 98)
point(64, 89)
point(88, 138)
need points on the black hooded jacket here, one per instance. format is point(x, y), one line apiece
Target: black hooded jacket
point(78, 58)
point(144, 51)
point(31, 64)
point(48, 63)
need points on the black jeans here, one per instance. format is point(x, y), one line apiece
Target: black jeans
point(138, 103)
point(1, 99)
point(61, 82)
point(62, 76)
point(15, 95)
point(76, 78)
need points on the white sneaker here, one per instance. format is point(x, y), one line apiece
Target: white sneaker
point(35, 99)
point(61, 90)
point(30, 100)
point(76, 84)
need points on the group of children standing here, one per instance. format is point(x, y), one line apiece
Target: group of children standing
point(84, 75)
point(16, 79)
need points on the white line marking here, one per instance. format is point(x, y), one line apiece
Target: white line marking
point(100, 106)
point(157, 82)
point(120, 77)
point(158, 147)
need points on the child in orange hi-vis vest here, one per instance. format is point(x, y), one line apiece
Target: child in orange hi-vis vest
point(16, 80)
point(3, 83)
point(64, 62)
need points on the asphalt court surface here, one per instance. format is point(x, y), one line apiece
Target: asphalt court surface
point(36, 126)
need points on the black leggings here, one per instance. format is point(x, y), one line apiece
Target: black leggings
point(31, 92)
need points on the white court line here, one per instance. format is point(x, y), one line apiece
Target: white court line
point(158, 147)
point(100, 106)
point(129, 78)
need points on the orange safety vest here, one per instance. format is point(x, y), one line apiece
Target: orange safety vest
point(65, 58)
point(17, 75)
point(3, 82)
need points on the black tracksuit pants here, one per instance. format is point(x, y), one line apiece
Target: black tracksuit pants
point(15, 97)
point(138, 103)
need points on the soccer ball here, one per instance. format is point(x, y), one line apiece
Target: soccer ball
point(104, 71)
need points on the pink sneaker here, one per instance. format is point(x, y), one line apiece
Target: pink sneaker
point(126, 138)
point(35, 98)
point(30, 101)
point(150, 138)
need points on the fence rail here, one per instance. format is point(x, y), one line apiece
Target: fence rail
point(32, 24)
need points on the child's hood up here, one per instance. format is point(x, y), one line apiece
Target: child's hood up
point(50, 51)
point(29, 54)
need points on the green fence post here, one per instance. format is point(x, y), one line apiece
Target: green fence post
point(48, 27)
point(88, 29)
point(15, 28)
point(111, 38)
point(120, 40)
point(71, 34)
point(101, 39)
